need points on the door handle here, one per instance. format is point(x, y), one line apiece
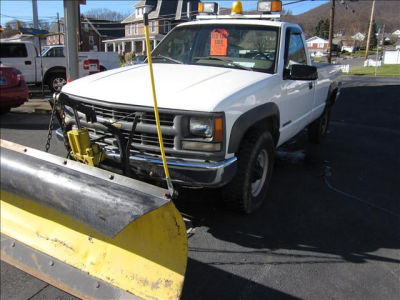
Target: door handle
point(28, 62)
point(310, 85)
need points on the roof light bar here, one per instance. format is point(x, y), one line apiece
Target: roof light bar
point(208, 8)
point(237, 8)
point(268, 6)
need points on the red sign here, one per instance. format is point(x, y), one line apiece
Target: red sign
point(219, 42)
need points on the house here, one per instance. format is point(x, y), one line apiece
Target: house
point(396, 33)
point(317, 46)
point(359, 36)
point(92, 33)
point(163, 16)
point(350, 45)
point(56, 35)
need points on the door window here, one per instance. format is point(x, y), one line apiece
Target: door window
point(13, 50)
point(295, 53)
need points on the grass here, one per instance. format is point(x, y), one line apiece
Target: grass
point(385, 70)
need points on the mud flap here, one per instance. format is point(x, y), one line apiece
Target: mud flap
point(92, 233)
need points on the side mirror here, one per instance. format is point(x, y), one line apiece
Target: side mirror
point(301, 72)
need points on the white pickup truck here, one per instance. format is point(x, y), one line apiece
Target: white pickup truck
point(231, 89)
point(107, 60)
point(51, 71)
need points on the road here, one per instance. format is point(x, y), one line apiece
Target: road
point(330, 229)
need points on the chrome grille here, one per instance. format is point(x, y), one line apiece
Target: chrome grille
point(129, 115)
point(147, 141)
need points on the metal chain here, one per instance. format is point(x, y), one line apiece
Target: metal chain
point(51, 126)
point(64, 129)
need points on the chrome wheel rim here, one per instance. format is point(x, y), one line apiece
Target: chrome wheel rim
point(261, 162)
point(58, 83)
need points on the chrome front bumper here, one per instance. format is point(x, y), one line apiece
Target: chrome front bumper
point(185, 172)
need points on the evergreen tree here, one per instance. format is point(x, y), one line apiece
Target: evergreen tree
point(325, 29)
point(373, 40)
point(317, 28)
point(322, 28)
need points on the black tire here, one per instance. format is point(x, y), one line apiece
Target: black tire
point(4, 110)
point(56, 81)
point(247, 191)
point(317, 130)
point(102, 69)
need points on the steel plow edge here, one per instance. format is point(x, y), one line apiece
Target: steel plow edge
point(59, 223)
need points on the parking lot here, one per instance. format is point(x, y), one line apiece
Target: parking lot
point(330, 229)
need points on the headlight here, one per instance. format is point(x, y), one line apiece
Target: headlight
point(202, 127)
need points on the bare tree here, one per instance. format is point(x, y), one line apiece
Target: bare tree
point(13, 24)
point(106, 14)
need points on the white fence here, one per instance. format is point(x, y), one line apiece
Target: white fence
point(345, 68)
point(391, 57)
point(372, 63)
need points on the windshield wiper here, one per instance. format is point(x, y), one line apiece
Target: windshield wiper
point(227, 60)
point(167, 58)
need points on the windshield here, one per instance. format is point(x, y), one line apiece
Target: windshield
point(248, 47)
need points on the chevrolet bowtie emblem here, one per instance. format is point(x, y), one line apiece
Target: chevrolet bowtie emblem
point(116, 125)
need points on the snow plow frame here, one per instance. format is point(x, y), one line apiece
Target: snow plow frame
point(72, 235)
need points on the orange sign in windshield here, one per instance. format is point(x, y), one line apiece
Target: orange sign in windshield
point(219, 42)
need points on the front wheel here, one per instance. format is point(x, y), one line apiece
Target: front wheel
point(4, 110)
point(56, 82)
point(247, 191)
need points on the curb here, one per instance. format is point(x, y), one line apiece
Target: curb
point(354, 80)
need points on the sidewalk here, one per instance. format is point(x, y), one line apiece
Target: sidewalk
point(38, 106)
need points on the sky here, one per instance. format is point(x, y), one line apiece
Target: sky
point(47, 9)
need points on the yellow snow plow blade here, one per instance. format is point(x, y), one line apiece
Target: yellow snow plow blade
point(90, 232)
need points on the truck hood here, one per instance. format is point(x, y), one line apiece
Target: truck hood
point(185, 87)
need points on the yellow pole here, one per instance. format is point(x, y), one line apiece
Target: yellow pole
point(156, 114)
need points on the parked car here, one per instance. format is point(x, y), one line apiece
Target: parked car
point(24, 56)
point(13, 89)
point(107, 60)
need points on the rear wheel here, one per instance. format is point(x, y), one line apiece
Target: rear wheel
point(56, 81)
point(247, 191)
point(317, 130)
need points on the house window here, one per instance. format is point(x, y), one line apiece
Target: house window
point(320, 45)
point(167, 26)
point(153, 26)
point(139, 12)
point(91, 40)
point(136, 28)
point(86, 27)
point(129, 29)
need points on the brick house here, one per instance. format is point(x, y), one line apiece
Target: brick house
point(93, 32)
point(317, 45)
point(163, 16)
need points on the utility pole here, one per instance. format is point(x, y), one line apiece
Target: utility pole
point(70, 39)
point(80, 42)
point(370, 29)
point(189, 11)
point(331, 24)
point(58, 28)
point(36, 22)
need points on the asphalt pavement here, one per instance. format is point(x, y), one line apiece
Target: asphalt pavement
point(330, 228)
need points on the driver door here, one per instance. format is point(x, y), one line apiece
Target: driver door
point(298, 94)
